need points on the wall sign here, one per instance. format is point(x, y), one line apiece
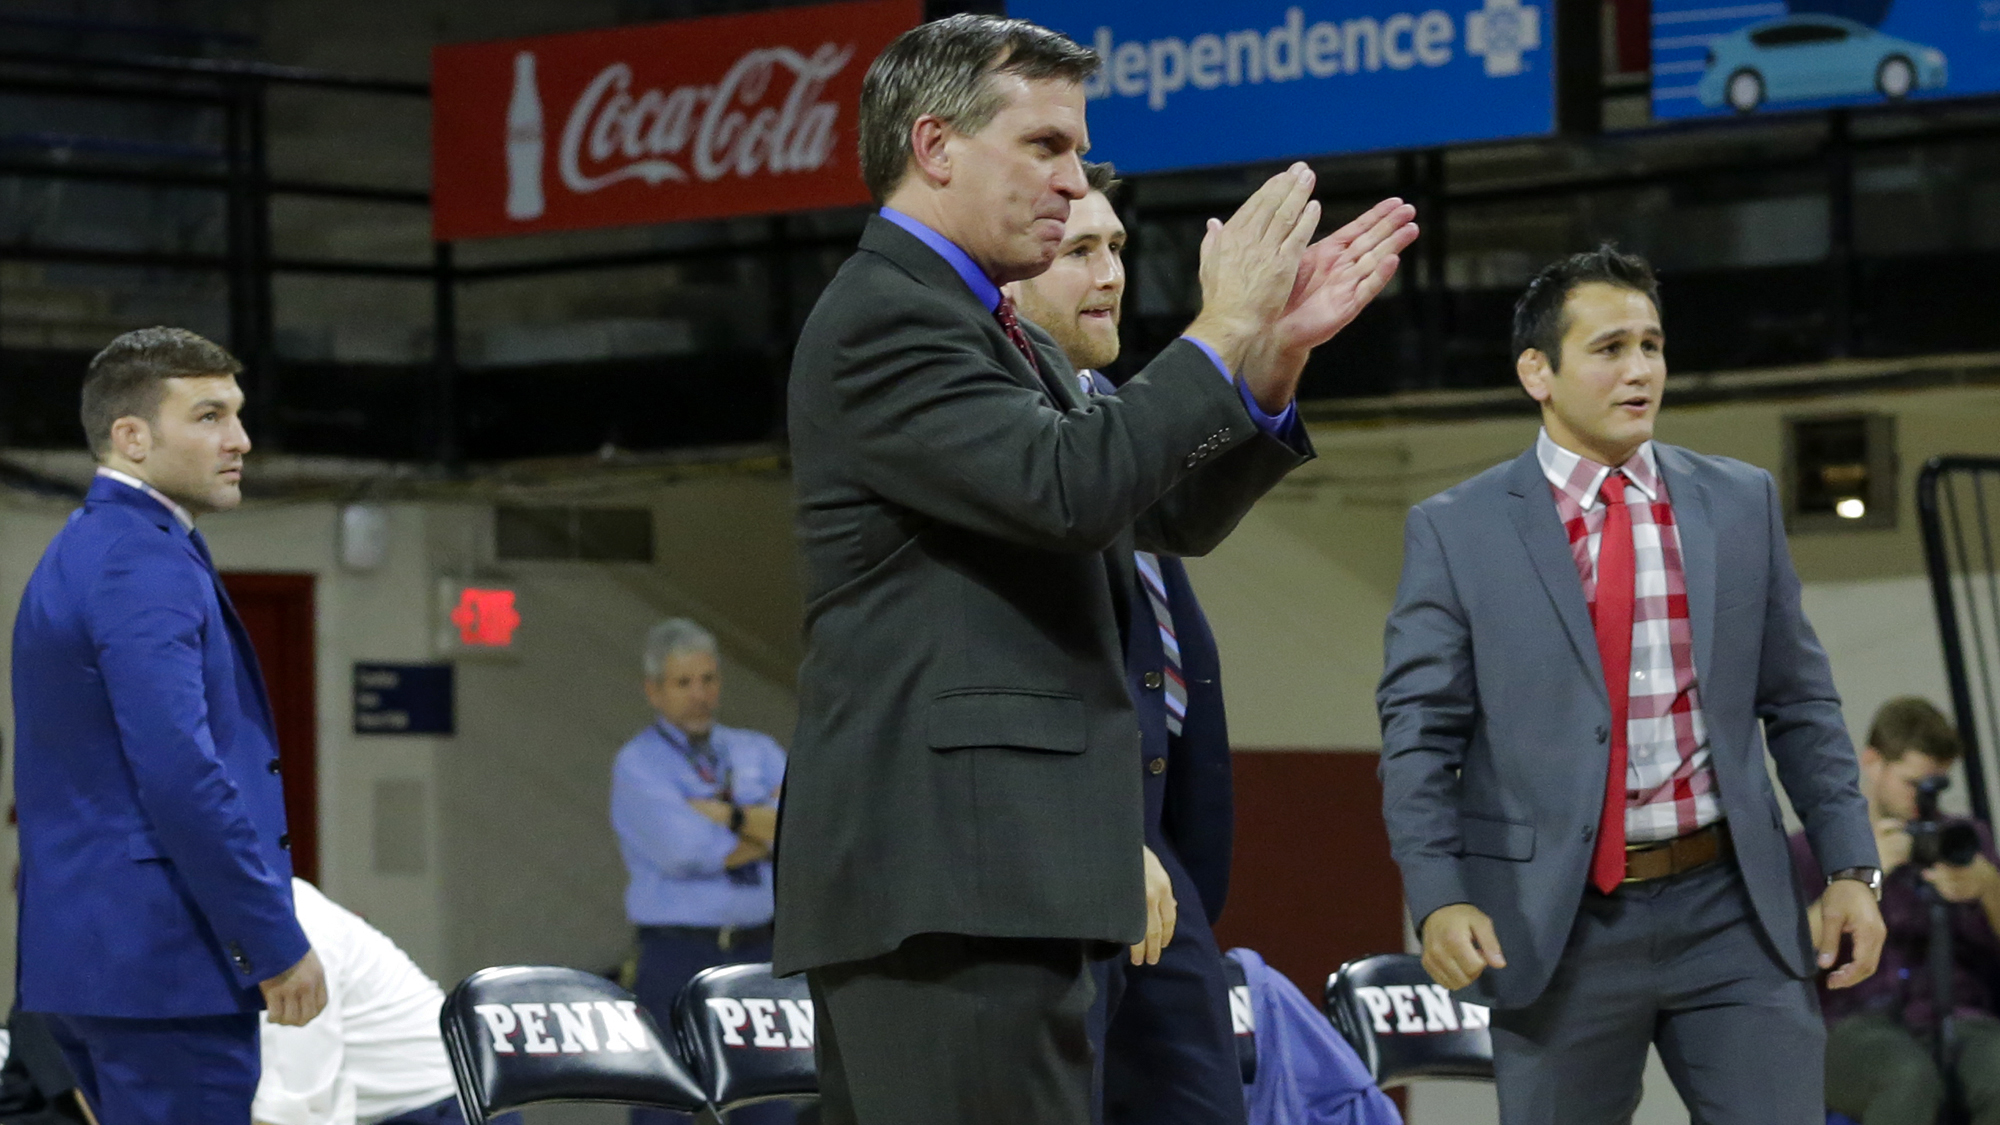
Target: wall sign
point(689, 119)
point(403, 699)
point(1712, 60)
point(1187, 84)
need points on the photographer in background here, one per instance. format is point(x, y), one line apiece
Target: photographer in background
point(1881, 1065)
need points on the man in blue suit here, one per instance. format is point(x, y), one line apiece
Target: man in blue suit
point(155, 889)
point(1161, 1023)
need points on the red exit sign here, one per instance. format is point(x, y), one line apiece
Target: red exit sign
point(484, 617)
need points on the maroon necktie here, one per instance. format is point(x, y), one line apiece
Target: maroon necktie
point(1612, 615)
point(1011, 324)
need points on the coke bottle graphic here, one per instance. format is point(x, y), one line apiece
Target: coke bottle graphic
point(524, 143)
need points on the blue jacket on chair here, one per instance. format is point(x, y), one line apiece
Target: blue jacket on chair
point(154, 877)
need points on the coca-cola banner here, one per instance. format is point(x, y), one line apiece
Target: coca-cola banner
point(691, 119)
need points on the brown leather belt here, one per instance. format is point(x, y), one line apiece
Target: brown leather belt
point(1644, 862)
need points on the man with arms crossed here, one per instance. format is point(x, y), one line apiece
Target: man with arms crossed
point(1584, 645)
point(156, 904)
point(1166, 1047)
point(961, 828)
point(694, 804)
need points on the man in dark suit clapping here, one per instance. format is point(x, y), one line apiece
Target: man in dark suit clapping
point(961, 828)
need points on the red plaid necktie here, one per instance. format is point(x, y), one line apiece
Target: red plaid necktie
point(1612, 615)
point(1011, 324)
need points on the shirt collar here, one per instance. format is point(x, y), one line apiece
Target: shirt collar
point(975, 278)
point(181, 514)
point(1582, 478)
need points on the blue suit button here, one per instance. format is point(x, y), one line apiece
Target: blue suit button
point(274, 765)
point(285, 841)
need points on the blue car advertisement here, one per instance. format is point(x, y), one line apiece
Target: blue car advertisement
point(1194, 84)
point(1715, 59)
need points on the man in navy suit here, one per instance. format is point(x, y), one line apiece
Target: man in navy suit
point(155, 889)
point(1161, 1021)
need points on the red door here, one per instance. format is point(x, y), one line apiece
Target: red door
point(1312, 883)
point(277, 610)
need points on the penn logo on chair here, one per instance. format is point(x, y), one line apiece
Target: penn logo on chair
point(758, 1016)
point(1439, 1011)
point(573, 1030)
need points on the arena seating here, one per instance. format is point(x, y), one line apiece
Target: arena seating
point(525, 1034)
point(748, 1035)
point(1403, 1026)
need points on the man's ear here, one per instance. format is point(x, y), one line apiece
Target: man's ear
point(928, 151)
point(132, 438)
point(1532, 368)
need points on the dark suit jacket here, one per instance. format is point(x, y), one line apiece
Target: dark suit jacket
point(154, 881)
point(963, 760)
point(1495, 720)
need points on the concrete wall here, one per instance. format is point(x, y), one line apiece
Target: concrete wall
point(520, 864)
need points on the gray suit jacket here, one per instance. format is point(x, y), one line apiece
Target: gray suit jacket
point(1495, 719)
point(963, 760)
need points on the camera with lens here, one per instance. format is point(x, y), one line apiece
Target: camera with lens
point(1933, 840)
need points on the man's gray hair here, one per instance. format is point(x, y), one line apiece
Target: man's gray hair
point(673, 637)
point(945, 69)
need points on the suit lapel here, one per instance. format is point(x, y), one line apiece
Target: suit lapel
point(1533, 509)
point(1696, 524)
point(883, 237)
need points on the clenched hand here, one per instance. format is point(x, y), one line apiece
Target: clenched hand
point(296, 995)
point(1848, 907)
point(1459, 944)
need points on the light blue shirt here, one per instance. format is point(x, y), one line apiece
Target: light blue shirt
point(673, 853)
point(989, 295)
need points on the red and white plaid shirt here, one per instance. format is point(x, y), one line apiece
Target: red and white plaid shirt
point(1669, 781)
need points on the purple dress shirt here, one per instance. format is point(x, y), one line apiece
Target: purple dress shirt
point(988, 292)
point(1901, 985)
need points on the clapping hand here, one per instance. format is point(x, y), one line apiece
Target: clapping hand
point(1341, 273)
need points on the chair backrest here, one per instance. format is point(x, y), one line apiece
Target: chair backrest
point(1242, 1017)
point(1403, 1026)
point(748, 1034)
point(523, 1034)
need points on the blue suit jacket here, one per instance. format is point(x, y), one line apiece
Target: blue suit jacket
point(154, 878)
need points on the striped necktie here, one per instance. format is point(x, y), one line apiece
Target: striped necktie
point(1156, 596)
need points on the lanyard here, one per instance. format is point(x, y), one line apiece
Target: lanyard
point(705, 761)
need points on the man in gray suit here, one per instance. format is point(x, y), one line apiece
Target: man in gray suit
point(962, 827)
point(1583, 646)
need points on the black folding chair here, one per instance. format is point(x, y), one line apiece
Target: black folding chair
point(1403, 1026)
point(521, 1035)
point(749, 1035)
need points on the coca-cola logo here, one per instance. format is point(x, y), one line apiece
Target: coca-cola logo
point(739, 125)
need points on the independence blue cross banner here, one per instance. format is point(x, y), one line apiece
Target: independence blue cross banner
point(1191, 84)
point(1718, 59)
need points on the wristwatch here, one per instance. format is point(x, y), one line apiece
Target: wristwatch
point(1871, 877)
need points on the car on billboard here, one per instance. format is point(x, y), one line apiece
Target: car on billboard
point(1810, 57)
